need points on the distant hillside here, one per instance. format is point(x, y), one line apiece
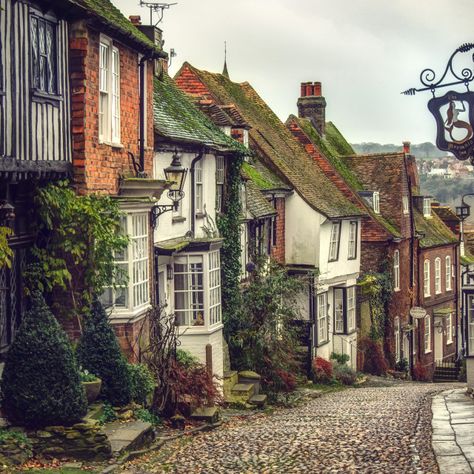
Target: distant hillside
point(422, 150)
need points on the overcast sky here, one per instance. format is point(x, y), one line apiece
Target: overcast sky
point(363, 51)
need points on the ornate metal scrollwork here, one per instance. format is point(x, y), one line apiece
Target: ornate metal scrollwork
point(431, 83)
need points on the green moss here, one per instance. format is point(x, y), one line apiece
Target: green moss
point(433, 231)
point(256, 177)
point(335, 138)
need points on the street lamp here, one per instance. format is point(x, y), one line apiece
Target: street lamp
point(176, 175)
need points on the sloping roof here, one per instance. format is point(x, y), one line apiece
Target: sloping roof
point(433, 231)
point(263, 178)
point(110, 15)
point(279, 148)
point(257, 205)
point(177, 118)
point(446, 214)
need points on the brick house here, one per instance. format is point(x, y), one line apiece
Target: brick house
point(112, 65)
point(379, 185)
point(322, 227)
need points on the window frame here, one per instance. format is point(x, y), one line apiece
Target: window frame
point(220, 182)
point(376, 202)
point(396, 270)
point(211, 290)
point(136, 266)
point(198, 189)
point(426, 278)
point(427, 207)
point(427, 334)
point(349, 327)
point(335, 243)
point(396, 335)
point(448, 273)
point(353, 244)
point(109, 127)
point(37, 91)
point(437, 279)
point(405, 205)
point(449, 329)
point(322, 316)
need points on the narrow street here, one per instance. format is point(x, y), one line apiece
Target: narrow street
point(377, 429)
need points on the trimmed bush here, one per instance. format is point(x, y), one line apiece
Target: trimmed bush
point(374, 360)
point(41, 382)
point(285, 381)
point(345, 374)
point(142, 382)
point(322, 370)
point(99, 352)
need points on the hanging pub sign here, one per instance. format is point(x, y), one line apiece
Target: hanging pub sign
point(454, 111)
point(454, 115)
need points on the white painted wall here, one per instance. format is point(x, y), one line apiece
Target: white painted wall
point(168, 228)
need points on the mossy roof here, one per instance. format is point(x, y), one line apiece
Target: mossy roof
point(178, 119)
point(257, 204)
point(263, 178)
point(434, 232)
point(278, 147)
point(111, 16)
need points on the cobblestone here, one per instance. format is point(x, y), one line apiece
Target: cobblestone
point(379, 429)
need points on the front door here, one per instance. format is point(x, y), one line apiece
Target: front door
point(438, 339)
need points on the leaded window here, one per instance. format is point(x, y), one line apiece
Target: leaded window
point(215, 316)
point(44, 56)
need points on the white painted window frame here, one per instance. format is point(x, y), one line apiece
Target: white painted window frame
point(396, 270)
point(427, 207)
point(448, 273)
point(334, 241)
point(405, 205)
point(353, 233)
point(449, 329)
point(323, 319)
point(396, 335)
point(198, 187)
point(426, 278)
point(376, 202)
point(438, 286)
point(427, 334)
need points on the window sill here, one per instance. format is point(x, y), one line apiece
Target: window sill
point(111, 144)
point(177, 219)
point(321, 344)
point(396, 290)
point(44, 98)
point(448, 343)
point(198, 330)
point(428, 352)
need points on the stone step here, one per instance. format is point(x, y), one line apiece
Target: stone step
point(128, 436)
point(230, 379)
point(241, 392)
point(258, 400)
point(250, 377)
point(209, 414)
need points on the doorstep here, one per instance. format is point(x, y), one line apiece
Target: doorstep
point(128, 436)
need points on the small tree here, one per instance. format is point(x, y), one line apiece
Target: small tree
point(265, 338)
point(41, 383)
point(99, 352)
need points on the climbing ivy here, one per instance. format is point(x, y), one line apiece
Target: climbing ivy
point(228, 224)
point(78, 237)
point(6, 253)
point(377, 288)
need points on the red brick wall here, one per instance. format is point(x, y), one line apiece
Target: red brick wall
point(97, 166)
point(278, 251)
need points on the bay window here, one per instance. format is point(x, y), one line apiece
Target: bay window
point(352, 254)
point(437, 275)
point(426, 278)
point(109, 92)
point(448, 273)
point(344, 310)
point(322, 318)
point(396, 270)
point(334, 241)
point(130, 291)
point(197, 289)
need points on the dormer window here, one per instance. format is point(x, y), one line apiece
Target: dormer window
point(376, 202)
point(406, 208)
point(426, 207)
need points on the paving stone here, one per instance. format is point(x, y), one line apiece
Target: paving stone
point(446, 448)
point(453, 465)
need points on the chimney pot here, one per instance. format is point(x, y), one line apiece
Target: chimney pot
point(135, 19)
point(317, 89)
point(309, 89)
point(406, 147)
point(303, 89)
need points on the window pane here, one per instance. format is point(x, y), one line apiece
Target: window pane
point(338, 310)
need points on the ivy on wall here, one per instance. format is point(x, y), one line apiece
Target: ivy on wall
point(6, 253)
point(228, 224)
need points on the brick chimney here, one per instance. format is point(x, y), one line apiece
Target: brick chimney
point(312, 105)
point(406, 147)
point(135, 20)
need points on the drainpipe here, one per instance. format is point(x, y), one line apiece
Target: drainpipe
point(193, 202)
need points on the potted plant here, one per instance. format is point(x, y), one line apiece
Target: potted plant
point(91, 384)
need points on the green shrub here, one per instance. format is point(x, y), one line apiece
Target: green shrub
point(147, 416)
point(41, 382)
point(99, 352)
point(108, 415)
point(402, 365)
point(345, 374)
point(186, 359)
point(142, 382)
point(340, 359)
point(86, 376)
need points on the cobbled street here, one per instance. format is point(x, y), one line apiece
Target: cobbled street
point(377, 429)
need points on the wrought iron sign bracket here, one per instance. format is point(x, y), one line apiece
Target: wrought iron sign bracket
point(159, 209)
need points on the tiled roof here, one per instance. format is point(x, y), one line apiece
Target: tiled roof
point(445, 213)
point(279, 148)
point(110, 15)
point(433, 232)
point(263, 178)
point(178, 119)
point(257, 205)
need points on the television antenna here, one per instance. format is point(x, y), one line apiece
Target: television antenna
point(158, 8)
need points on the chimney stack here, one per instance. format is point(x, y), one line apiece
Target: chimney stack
point(406, 147)
point(312, 105)
point(135, 20)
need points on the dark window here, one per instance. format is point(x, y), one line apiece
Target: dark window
point(44, 56)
